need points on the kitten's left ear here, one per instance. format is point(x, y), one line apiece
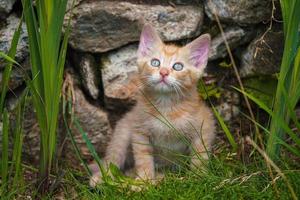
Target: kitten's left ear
point(198, 51)
point(149, 41)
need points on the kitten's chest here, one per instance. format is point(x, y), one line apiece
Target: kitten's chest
point(167, 144)
point(168, 132)
point(165, 123)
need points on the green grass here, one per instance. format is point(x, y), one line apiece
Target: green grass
point(288, 88)
point(44, 21)
point(227, 178)
point(11, 172)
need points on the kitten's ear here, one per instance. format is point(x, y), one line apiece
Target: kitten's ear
point(198, 51)
point(149, 41)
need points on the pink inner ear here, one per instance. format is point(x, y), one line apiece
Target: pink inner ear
point(199, 50)
point(145, 44)
point(147, 41)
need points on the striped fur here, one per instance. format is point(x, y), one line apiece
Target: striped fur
point(169, 116)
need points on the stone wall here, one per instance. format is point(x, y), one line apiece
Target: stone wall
point(102, 53)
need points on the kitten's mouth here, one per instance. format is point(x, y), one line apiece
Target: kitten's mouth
point(163, 81)
point(163, 85)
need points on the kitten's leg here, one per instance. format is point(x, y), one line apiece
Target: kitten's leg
point(201, 145)
point(142, 152)
point(115, 152)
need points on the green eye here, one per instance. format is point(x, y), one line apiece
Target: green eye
point(178, 66)
point(155, 62)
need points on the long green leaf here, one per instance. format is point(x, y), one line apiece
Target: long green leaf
point(226, 130)
point(67, 106)
point(18, 140)
point(90, 147)
point(44, 20)
point(280, 120)
point(10, 57)
point(288, 75)
point(4, 159)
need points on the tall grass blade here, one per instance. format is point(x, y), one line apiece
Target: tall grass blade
point(4, 158)
point(221, 121)
point(67, 110)
point(289, 76)
point(44, 21)
point(89, 145)
point(10, 58)
point(18, 141)
point(281, 122)
point(226, 130)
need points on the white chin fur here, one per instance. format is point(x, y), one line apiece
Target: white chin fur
point(161, 86)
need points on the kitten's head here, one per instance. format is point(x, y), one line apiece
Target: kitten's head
point(168, 68)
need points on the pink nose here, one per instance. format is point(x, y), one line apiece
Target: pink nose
point(164, 72)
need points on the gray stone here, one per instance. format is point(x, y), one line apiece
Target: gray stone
point(235, 36)
point(263, 55)
point(6, 36)
point(119, 70)
point(99, 26)
point(228, 105)
point(239, 11)
point(70, 3)
point(6, 6)
point(90, 76)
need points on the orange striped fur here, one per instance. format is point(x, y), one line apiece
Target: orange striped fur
point(146, 127)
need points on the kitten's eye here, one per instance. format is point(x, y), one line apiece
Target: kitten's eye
point(155, 62)
point(178, 66)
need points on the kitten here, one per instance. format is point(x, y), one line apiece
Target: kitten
point(168, 75)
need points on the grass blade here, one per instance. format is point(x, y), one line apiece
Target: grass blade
point(225, 129)
point(288, 73)
point(67, 106)
point(10, 58)
point(18, 140)
point(4, 159)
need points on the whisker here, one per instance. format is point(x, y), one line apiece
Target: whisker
point(178, 86)
point(175, 88)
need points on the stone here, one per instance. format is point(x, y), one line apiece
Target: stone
point(235, 37)
point(119, 70)
point(70, 3)
point(263, 55)
point(228, 105)
point(6, 36)
point(100, 26)
point(93, 120)
point(5, 7)
point(239, 11)
point(297, 111)
point(90, 75)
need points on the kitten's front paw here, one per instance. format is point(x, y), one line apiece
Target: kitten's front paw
point(96, 179)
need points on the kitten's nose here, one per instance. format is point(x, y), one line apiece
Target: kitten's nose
point(164, 72)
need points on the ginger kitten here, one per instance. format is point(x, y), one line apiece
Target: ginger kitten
point(168, 98)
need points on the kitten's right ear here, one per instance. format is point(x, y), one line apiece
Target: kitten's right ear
point(149, 41)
